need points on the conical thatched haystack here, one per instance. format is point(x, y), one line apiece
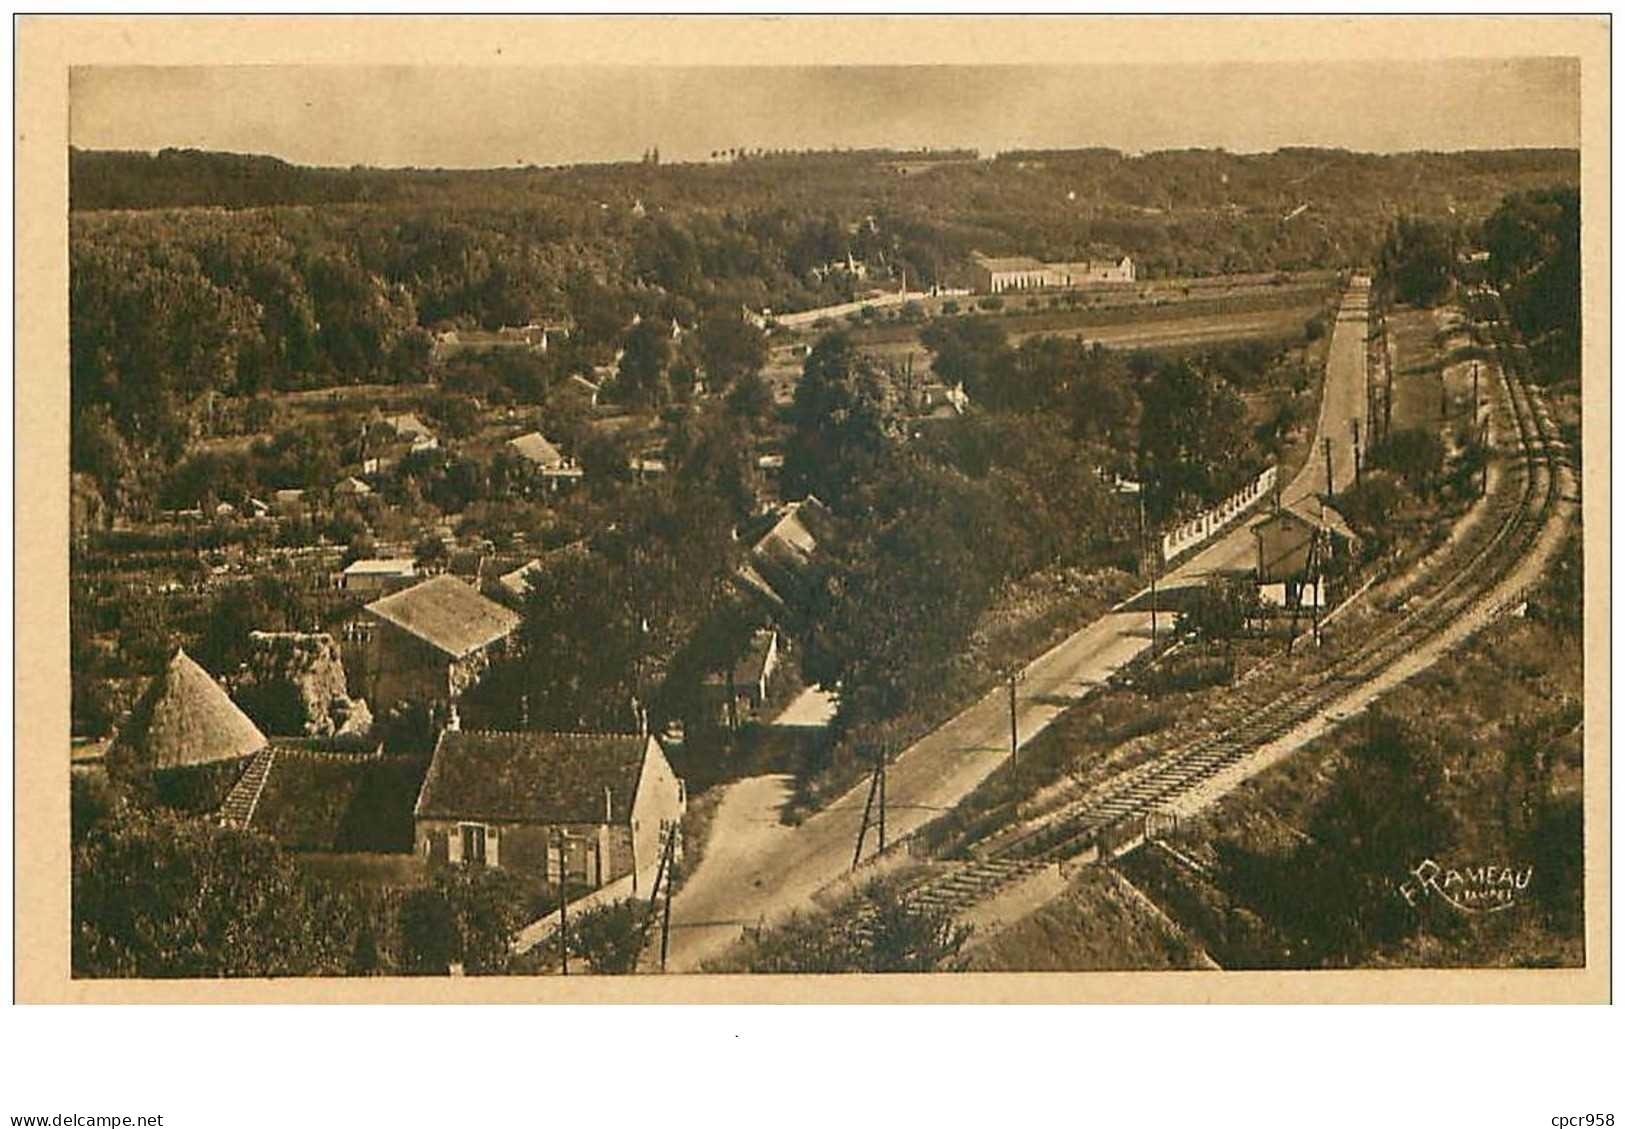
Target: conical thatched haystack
point(185, 718)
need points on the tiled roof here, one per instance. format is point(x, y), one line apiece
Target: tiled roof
point(752, 666)
point(517, 582)
point(1008, 263)
point(381, 566)
point(534, 446)
point(779, 562)
point(534, 777)
point(447, 614)
point(407, 425)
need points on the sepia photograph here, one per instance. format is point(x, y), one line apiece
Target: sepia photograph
point(714, 520)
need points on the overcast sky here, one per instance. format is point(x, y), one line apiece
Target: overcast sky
point(481, 117)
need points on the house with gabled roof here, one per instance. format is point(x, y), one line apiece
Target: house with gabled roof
point(516, 799)
point(779, 568)
point(545, 461)
point(582, 389)
point(378, 575)
point(426, 644)
point(351, 487)
point(407, 426)
point(537, 450)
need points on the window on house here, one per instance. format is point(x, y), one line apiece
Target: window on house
point(473, 843)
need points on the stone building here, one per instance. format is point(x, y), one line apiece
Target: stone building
point(513, 799)
point(425, 645)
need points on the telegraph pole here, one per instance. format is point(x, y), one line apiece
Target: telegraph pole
point(1388, 388)
point(1153, 613)
point(662, 872)
point(1013, 676)
point(1150, 565)
point(1328, 442)
point(1318, 573)
point(868, 810)
point(1356, 425)
point(564, 920)
point(665, 920)
point(882, 768)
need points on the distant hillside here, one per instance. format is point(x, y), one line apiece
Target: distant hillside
point(199, 274)
point(185, 178)
point(1013, 189)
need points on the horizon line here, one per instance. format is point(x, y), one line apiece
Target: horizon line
point(765, 153)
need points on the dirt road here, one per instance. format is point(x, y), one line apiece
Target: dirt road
point(755, 871)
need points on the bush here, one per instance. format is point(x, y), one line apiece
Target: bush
point(469, 915)
point(609, 937)
point(880, 933)
point(991, 302)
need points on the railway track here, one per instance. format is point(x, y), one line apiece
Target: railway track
point(1532, 482)
point(1251, 721)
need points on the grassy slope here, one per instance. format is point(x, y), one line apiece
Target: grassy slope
point(1097, 925)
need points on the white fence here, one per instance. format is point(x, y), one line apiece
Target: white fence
point(879, 302)
point(1205, 524)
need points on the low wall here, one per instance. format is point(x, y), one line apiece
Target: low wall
point(1205, 524)
point(879, 302)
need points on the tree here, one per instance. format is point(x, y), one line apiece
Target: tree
point(157, 896)
point(731, 348)
point(1416, 454)
point(716, 455)
point(904, 589)
point(458, 416)
point(972, 351)
point(430, 554)
point(467, 915)
point(640, 379)
point(839, 421)
point(750, 398)
point(609, 937)
point(881, 932)
point(1222, 609)
point(1534, 244)
point(604, 460)
point(1195, 444)
point(1418, 261)
point(265, 603)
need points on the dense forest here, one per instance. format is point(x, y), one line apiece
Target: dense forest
point(194, 273)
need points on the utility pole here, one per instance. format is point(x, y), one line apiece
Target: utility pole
point(564, 920)
point(1149, 563)
point(1014, 675)
point(662, 872)
point(1388, 389)
point(1475, 394)
point(882, 767)
point(665, 920)
point(1315, 574)
point(1356, 425)
point(1329, 490)
point(1153, 612)
point(875, 778)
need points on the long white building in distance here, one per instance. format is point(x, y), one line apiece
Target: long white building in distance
point(1019, 272)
